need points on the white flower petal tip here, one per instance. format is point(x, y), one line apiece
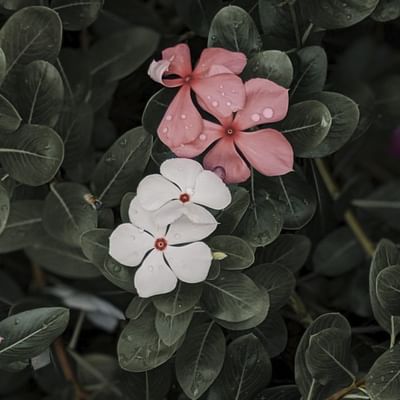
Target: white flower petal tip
point(157, 69)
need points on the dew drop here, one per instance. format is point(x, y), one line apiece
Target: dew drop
point(268, 113)
point(349, 17)
point(202, 137)
point(183, 116)
point(215, 103)
point(208, 97)
point(110, 158)
point(255, 117)
point(151, 268)
point(228, 103)
point(221, 86)
point(123, 142)
point(177, 235)
point(169, 117)
point(16, 322)
point(165, 130)
point(117, 268)
point(182, 145)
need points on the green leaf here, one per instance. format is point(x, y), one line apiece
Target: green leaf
point(304, 379)
point(118, 55)
point(240, 254)
point(139, 347)
point(200, 358)
point(40, 38)
point(27, 334)
point(262, 222)
point(67, 212)
point(338, 253)
point(4, 208)
point(32, 155)
point(94, 244)
point(122, 166)
point(77, 14)
point(334, 14)
point(13, 5)
point(388, 289)
point(386, 10)
point(3, 66)
point(171, 328)
point(60, 259)
point(233, 29)
point(182, 299)
point(247, 369)
point(311, 71)
point(125, 203)
point(345, 117)
point(288, 250)
point(306, 126)
point(383, 204)
point(23, 225)
point(285, 392)
point(230, 217)
point(386, 255)
point(232, 297)
point(383, 379)
point(328, 357)
point(278, 280)
point(274, 65)
point(294, 196)
point(136, 307)
point(10, 118)
point(40, 94)
point(118, 274)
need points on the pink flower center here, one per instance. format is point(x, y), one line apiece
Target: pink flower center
point(160, 244)
point(187, 79)
point(229, 131)
point(184, 198)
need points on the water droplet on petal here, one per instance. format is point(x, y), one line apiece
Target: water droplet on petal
point(151, 268)
point(208, 97)
point(177, 235)
point(228, 103)
point(255, 117)
point(182, 145)
point(220, 171)
point(183, 116)
point(268, 113)
point(165, 130)
point(202, 137)
point(221, 86)
point(215, 103)
point(169, 117)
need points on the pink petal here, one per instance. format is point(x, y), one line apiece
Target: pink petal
point(179, 58)
point(234, 61)
point(181, 171)
point(266, 102)
point(182, 122)
point(190, 263)
point(220, 94)
point(210, 133)
point(154, 276)
point(267, 150)
point(128, 245)
point(157, 69)
point(223, 156)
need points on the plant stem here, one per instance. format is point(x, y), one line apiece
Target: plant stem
point(343, 392)
point(78, 327)
point(349, 216)
point(392, 332)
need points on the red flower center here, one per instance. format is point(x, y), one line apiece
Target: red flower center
point(187, 79)
point(161, 244)
point(184, 198)
point(229, 131)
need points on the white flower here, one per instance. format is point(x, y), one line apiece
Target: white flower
point(181, 189)
point(164, 253)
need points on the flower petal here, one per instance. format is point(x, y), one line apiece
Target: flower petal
point(267, 150)
point(210, 133)
point(157, 69)
point(190, 263)
point(182, 171)
point(224, 157)
point(169, 212)
point(154, 191)
point(211, 191)
point(185, 230)
point(220, 94)
point(179, 58)
point(234, 61)
point(266, 102)
point(128, 244)
point(181, 123)
point(144, 219)
point(154, 276)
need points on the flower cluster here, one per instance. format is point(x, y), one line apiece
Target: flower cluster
point(241, 110)
point(168, 220)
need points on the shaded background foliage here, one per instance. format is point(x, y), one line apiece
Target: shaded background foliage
point(306, 304)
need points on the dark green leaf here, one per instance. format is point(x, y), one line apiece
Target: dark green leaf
point(171, 328)
point(4, 207)
point(136, 307)
point(10, 118)
point(388, 289)
point(125, 203)
point(233, 29)
point(386, 10)
point(287, 392)
point(200, 358)
point(118, 274)
point(121, 167)
point(94, 245)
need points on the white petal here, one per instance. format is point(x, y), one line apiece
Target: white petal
point(154, 276)
point(185, 231)
point(190, 263)
point(144, 219)
point(199, 214)
point(154, 191)
point(128, 245)
point(211, 191)
point(182, 172)
point(157, 69)
point(169, 213)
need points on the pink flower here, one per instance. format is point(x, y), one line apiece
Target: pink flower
point(213, 80)
point(267, 150)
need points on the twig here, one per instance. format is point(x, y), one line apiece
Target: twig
point(343, 392)
point(349, 216)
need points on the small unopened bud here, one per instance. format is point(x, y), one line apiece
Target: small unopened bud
point(219, 255)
